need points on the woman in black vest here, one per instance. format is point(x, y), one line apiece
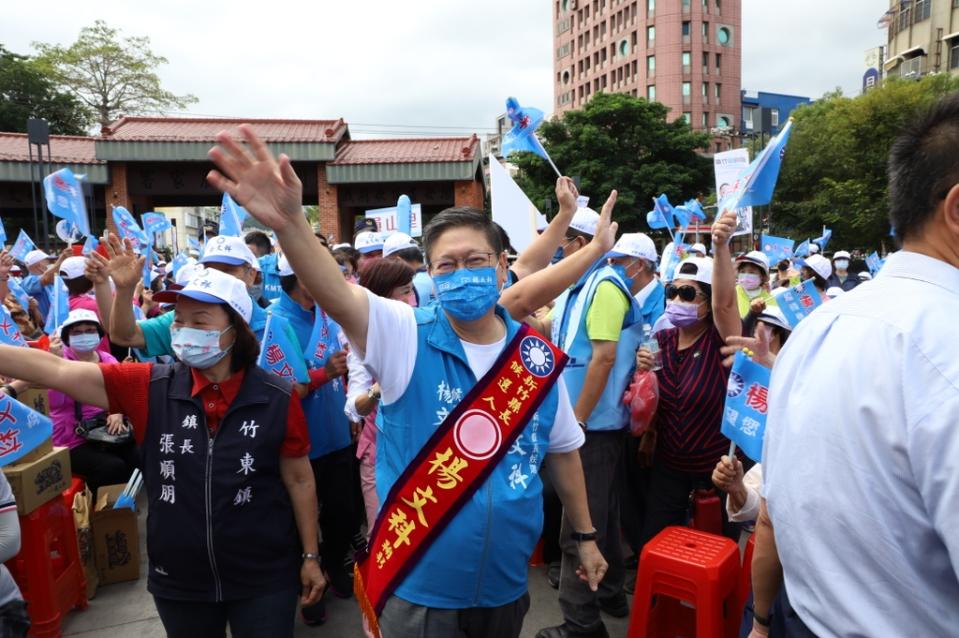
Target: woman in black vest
point(231, 528)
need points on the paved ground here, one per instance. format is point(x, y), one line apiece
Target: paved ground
point(126, 609)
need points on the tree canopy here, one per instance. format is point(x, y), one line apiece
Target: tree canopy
point(26, 92)
point(619, 142)
point(834, 170)
point(112, 76)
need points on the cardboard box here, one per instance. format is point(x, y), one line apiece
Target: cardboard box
point(36, 453)
point(39, 400)
point(35, 482)
point(116, 539)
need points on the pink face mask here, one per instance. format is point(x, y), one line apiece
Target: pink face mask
point(411, 299)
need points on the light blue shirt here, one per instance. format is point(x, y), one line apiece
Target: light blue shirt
point(863, 487)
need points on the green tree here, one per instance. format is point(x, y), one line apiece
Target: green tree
point(834, 170)
point(25, 92)
point(112, 76)
point(620, 142)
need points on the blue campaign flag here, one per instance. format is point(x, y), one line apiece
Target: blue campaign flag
point(64, 197)
point(154, 223)
point(404, 215)
point(147, 266)
point(22, 429)
point(522, 137)
point(17, 290)
point(127, 226)
point(3, 233)
point(873, 263)
point(744, 415)
point(757, 182)
point(324, 340)
point(59, 307)
point(232, 216)
point(22, 246)
point(798, 302)
point(682, 215)
point(662, 214)
point(179, 262)
point(824, 239)
point(802, 250)
point(776, 248)
point(193, 243)
point(91, 244)
point(279, 354)
point(696, 209)
point(9, 331)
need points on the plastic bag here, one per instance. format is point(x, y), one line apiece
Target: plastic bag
point(642, 398)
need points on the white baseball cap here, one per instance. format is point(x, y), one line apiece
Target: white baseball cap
point(703, 272)
point(585, 221)
point(232, 251)
point(397, 242)
point(336, 247)
point(813, 248)
point(186, 272)
point(698, 248)
point(634, 245)
point(72, 267)
point(284, 267)
point(834, 291)
point(755, 257)
point(368, 242)
point(213, 286)
point(774, 316)
point(841, 254)
point(35, 256)
point(80, 316)
point(819, 265)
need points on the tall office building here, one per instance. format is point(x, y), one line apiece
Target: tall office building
point(923, 37)
point(685, 54)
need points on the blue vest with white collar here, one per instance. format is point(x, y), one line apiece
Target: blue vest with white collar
point(569, 333)
point(480, 559)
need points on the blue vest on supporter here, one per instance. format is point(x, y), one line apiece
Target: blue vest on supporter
point(329, 429)
point(480, 559)
point(43, 294)
point(271, 276)
point(655, 304)
point(258, 320)
point(569, 333)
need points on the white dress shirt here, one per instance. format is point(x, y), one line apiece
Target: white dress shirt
point(861, 457)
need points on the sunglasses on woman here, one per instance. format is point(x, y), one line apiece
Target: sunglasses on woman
point(686, 293)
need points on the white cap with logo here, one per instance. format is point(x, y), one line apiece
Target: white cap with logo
point(368, 242)
point(819, 265)
point(397, 242)
point(696, 268)
point(80, 316)
point(698, 248)
point(755, 257)
point(213, 286)
point(232, 251)
point(35, 256)
point(585, 221)
point(72, 267)
point(634, 245)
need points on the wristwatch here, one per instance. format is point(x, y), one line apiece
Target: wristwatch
point(762, 620)
point(580, 537)
point(311, 555)
point(582, 424)
point(373, 395)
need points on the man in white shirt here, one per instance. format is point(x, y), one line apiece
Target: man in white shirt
point(862, 488)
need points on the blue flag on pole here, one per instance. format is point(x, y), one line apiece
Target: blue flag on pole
point(798, 302)
point(802, 250)
point(59, 307)
point(17, 291)
point(522, 137)
point(404, 215)
point(278, 354)
point(22, 246)
point(232, 216)
point(824, 239)
point(127, 226)
point(682, 215)
point(154, 223)
point(9, 331)
point(756, 184)
point(147, 266)
point(179, 262)
point(776, 248)
point(22, 429)
point(64, 197)
point(744, 415)
point(193, 243)
point(873, 263)
point(696, 209)
point(91, 244)
point(662, 214)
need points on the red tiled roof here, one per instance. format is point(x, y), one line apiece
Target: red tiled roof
point(64, 149)
point(407, 151)
point(191, 129)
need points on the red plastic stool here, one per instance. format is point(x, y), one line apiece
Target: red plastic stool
point(48, 568)
point(687, 585)
point(746, 577)
point(77, 485)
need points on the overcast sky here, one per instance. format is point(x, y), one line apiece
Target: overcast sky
point(437, 66)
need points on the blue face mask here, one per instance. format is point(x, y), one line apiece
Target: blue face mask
point(621, 271)
point(467, 294)
point(557, 256)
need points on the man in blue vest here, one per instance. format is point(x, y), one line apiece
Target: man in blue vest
point(598, 324)
point(634, 259)
point(471, 578)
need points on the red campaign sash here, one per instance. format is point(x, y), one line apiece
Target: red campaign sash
point(453, 464)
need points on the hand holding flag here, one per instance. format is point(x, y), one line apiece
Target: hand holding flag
point(756, 183)
point(64, 196)
point(279, 355)
point(744, 415)
point(22, 246)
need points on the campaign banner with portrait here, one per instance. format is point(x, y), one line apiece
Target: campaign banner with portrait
point(728, 166)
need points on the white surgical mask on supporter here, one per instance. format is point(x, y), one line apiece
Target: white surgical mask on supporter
point(197, 348)
point(842, 264)
point(84, 342)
